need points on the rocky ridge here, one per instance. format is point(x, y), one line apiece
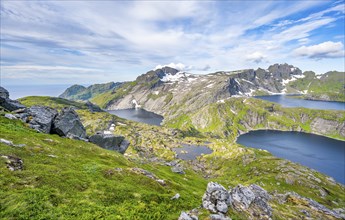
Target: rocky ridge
point(65, 123)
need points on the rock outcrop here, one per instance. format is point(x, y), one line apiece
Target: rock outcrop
point(187, 216)
point(8, 103)
point(67, 123)
point(110, 142)
point(252, 200)
point(216, 198)
point(292, 197)
point(40, 118)
point(324, 126)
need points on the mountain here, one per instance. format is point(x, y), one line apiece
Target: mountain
point(167, 91)
point(78, 92)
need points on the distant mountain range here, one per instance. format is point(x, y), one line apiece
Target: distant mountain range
point(166, 90)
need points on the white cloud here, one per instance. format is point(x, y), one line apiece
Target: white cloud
point(132, 36)
point(256, 57)
point(326, 49)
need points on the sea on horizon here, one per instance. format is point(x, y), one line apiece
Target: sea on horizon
point(20, 91)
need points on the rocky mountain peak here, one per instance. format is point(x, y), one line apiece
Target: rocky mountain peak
point(284, 70)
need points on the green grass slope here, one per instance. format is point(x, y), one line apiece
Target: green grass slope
point(52, 102)
point(238, 115)
point(68, 179)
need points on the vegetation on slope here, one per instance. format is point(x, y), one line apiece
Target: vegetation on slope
point(77, 92)
point(329, 86)
point(53, 102)
point(238, 115)
point(70, 179)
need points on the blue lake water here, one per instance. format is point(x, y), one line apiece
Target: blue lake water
point(289, 101)
point(19, 91)
point(323, 154)
point(190, 151)
point(139, 115)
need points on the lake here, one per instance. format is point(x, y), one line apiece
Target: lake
point(190, 151)
point(289, 101)
point(323, 154)
point(138, 115)
point(19, 91)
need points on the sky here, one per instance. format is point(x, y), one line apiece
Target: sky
point(86, 42)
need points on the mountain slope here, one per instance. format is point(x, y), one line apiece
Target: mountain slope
point(78, 92)
point(169, 92)
point(69, 179)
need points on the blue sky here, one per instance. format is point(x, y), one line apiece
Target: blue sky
point(86, 42)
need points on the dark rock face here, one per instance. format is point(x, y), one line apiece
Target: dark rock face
point(8, 103)
point(4, 93)
point(40, 118)
point(68, 124)
point(270, 80)
point(110, 142)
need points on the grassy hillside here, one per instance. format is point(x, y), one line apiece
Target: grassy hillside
point(238, 115)
point(103, 99)
point(77, 92)
point(53, 102)
point(329, 86)
point(69, 179)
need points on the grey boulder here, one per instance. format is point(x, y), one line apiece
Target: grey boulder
point(68, 124)
point(216, 198)
point(110, 142)
point(8, 103)
point(187, 216)
point(252, 199)
point(40, 118)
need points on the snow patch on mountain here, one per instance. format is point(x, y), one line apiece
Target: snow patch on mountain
point(179, 76)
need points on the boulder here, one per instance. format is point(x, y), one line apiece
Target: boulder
point(177, 169)
point(252, 199)
point(68, 124)
point(8, 103)
point(10, 116)
point(216, 198)
point(219, 217)
point(187, 216)
point(110, 142)
point(4, 93)
point(39, 118)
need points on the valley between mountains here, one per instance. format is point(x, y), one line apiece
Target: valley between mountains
point(58, 174)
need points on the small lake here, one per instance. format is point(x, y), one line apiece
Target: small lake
point(138, 115)
point(323, 154)
point(190, 151)
point(290, 101)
